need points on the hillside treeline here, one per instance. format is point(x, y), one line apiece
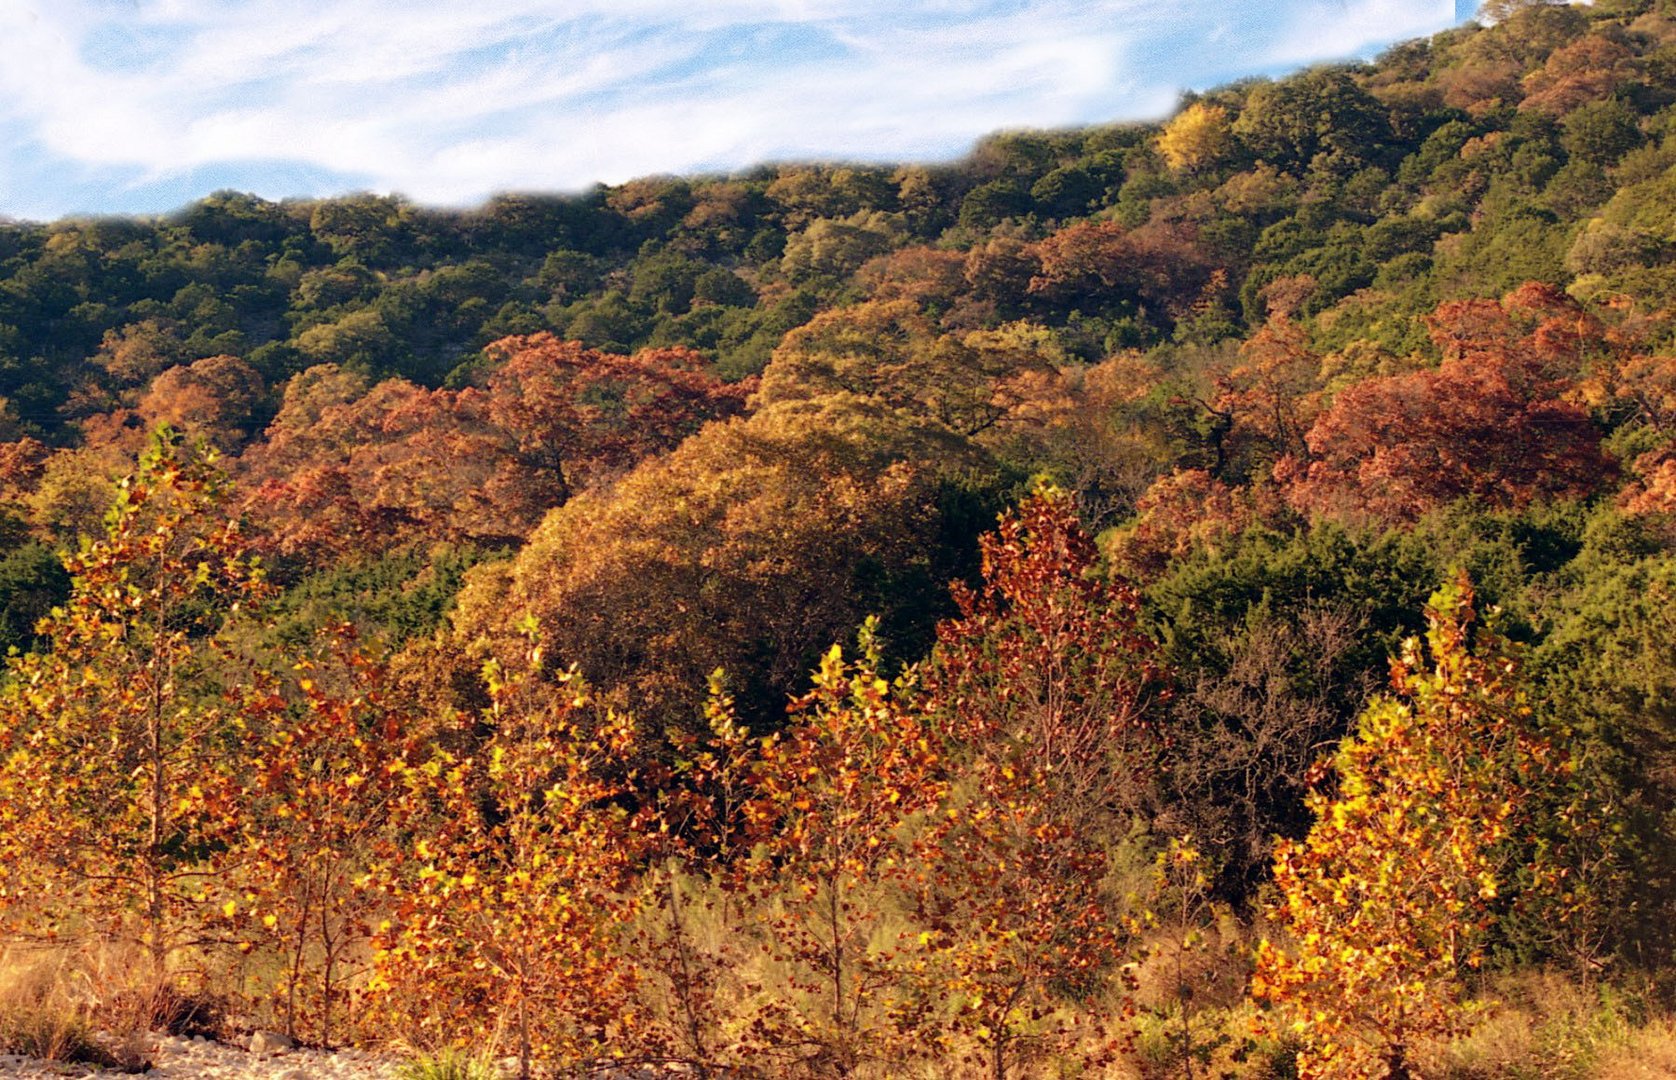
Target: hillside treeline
point(444, 669)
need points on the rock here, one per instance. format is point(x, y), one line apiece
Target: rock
point(271, 1042)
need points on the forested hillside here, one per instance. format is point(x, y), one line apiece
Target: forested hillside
point(457, 665)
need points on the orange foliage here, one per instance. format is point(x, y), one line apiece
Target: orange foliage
point(1589, 69)
point(350, 468)
point(1186, 511)
point(512, 894)
point(1493, 422)
point(214, 399)
point(1042, 688)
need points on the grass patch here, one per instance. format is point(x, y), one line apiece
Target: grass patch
point(447, 1065)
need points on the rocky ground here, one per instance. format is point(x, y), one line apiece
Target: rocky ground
point(176, 1058)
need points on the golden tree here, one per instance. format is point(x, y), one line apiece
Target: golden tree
point(322, 785)
point(839, 789)
point(519, 878)
point(1394, 893)
point(1199, 136)
point(118, 801)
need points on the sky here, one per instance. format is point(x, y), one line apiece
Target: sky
point(140, 106)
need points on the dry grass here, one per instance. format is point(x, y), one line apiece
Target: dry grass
point(41, 1014)
point(1546, 1027)
point(88, 1006)
point(1649, 1054)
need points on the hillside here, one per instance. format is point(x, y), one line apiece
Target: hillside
point(1333, 411)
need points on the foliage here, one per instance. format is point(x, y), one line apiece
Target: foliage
point(305, 861)
point(1391, 898)
point(1492, 422)
point(840, 785)
point(690, 422)
point(1042, 690)
point(120, 777)
point(517, 879)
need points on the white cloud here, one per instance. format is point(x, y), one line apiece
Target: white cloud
point(1339, 28)
point(449, 101)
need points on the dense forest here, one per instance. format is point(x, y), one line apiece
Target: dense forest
point(1187, 599)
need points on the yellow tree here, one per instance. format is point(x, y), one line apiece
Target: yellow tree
point(1395, 891)
point(1198, 136)
point(117, 750)
point(519, 878)
point(322, 785)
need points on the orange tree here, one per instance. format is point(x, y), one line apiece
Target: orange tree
point(698, 873)
point(118, 804)
point(1040, 692)
point(322, 783)
point(838, 790)
point(1394, 893)
point(517, 877)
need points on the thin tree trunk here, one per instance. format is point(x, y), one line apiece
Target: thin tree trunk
point(695, 1035)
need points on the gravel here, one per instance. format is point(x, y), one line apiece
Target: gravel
point(176, 1058)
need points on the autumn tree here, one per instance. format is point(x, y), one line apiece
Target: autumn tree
point(118, 792)
point(584, 414)
point(347, 465)
point(750, 547)
point(1161, 265)
point(217, 399)
point(1495, 421)
point(839, 787)
point(1198, 137)
point(1042, 690)
point(1186, 511)
point(1393, 896)
point(510, 900)
point(321, 790)
point(888, 351)
point(1272, 395)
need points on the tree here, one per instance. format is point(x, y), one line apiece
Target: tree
point(348, 466)
point(840, 785)
point(890, 352)
point(1494, 421)
point(1274, 393)
point(1094, 263)
point(1197, 138)
point(1587, 70)
point(1325, 110)
point(1395, 892)
point(1186, 511)
point(749, 547)
point(584, 414)
point(119, 785)
point(320, 793)
point(1042, 691)
point(509, 903)
point(216, 399)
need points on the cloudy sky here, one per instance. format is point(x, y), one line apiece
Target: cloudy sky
point(141, 105)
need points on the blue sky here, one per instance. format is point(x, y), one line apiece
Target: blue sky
point(138, 106)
